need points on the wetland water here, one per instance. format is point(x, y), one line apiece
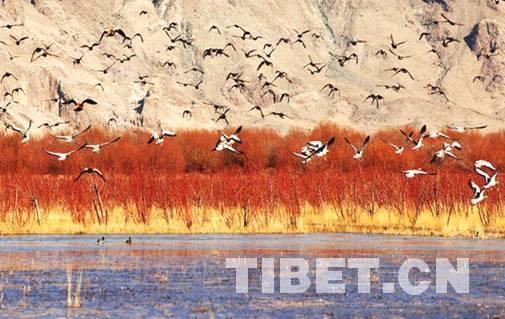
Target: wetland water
point(186, 276)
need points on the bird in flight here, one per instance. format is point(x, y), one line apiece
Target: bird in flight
point(478, 193)
point(71, 138)
point(159, 137)
point(90, 171)
point(65, 156)
point(79, 105)
point(314, 148)
point(377, 98)
point(358, 152)
point(394, 44)
point(411, 173)
point(95, 148)
point(25, 134)
point(462, 129)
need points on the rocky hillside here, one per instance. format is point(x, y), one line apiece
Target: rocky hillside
point(453, 74)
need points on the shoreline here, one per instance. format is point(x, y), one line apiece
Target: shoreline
point(212, 221)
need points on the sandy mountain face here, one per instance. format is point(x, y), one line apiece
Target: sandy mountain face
point(257, 53)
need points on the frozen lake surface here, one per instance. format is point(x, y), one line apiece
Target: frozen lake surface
point(184, 276)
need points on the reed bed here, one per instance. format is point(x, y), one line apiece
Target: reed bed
point(184, 187)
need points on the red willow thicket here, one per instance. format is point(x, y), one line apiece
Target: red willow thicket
point(184, 174)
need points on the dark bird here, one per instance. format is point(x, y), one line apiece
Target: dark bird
point(106, 70)
point(42, 53)
point(172, 25)
point(382, 53)
point(169, 64)
point(285, 96)
point(126, 58)
point(447, 20)
point(91, 46)
point(249, 54)
point(194, 70)
point(424, 34)
point(435, 52)
point(279, 114)
point(143, 12)
point(375, 98)
point(281, 75)
point(56, 124)
point(331, 90)
point(354, 42)
point(222, 116)
point(264, 62)
point(404, 71)
point(215, 28)
point(196, 86)
point(397, 87)
point(79, 106)
point(478, 77)
point(448, 40)
point(8, 75)
point(400, 57)
point(394, 44)
point(92, 171)
point(18, 41)
point(283, 41)
point(10, 26)
point(77, 60)
point(187, 113)
point(258, 108)
point(272, 93)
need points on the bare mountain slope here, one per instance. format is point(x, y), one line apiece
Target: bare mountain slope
point(333, 25)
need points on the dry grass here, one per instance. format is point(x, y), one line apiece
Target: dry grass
point(183, 187)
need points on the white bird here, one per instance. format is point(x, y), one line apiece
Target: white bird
point(462, 129)
point(411, 173)
point(441, 154)
point(490, 181)
point(25, 134)
point(484, 163)
point(437, 134)
point(89, 170)
point(64, 156)
point(233, 138)
point(478, 193)
point(159, 138)
point(419, 142)
point(314, 148)
point(398, 149)
point(95, 148)
point(450, 146)
point(71, 138)
point(358, 152)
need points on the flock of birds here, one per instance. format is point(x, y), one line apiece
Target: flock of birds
point(263, 57)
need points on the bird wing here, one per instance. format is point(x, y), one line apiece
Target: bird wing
point(14, 128)
point(110, 142)
point(365, 143)
point(474, 186)
point(482, 173)
point(55, 153)
point(82, 132)
point(347, 141)
point(89, 101)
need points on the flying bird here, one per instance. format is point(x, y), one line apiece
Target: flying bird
point(358, 152)
point(95, 148)
point(65, 156)
point(92, 171)
point(25, 134)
